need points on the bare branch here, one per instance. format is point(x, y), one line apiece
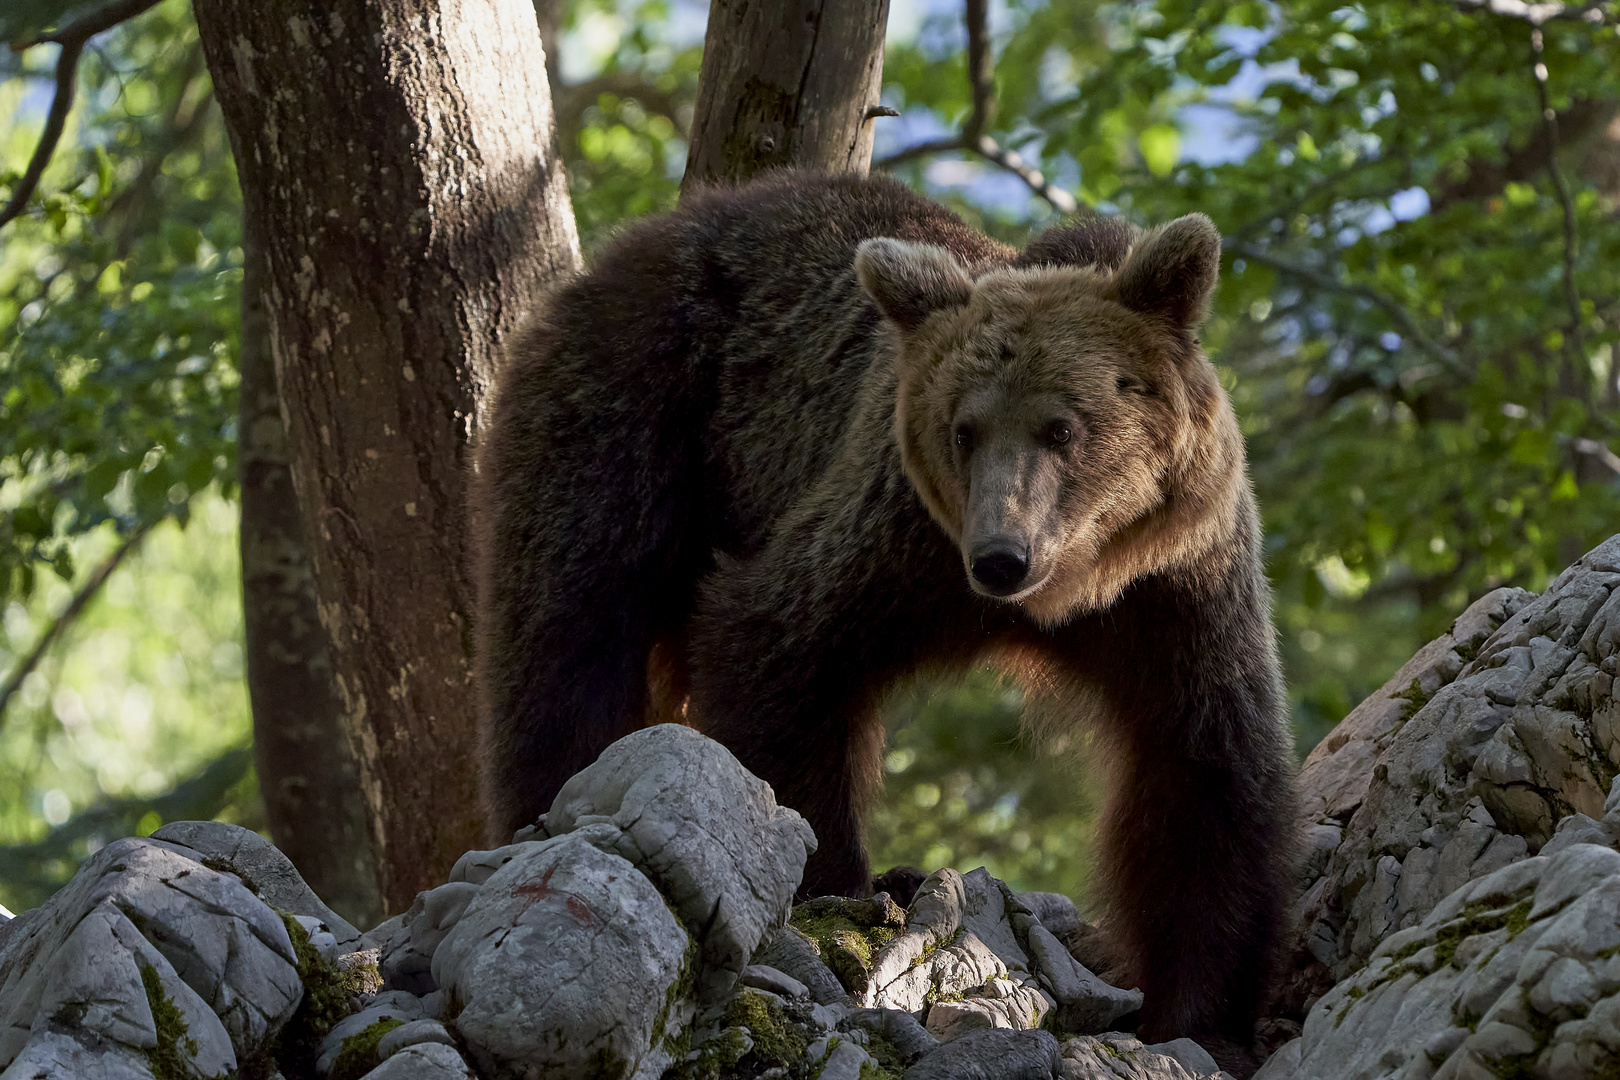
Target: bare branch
point(922, 150)
point(72, 39)
point(82, 30)
point(67, 80)
point(1402, 318)
point(1538, 13)
point(972, 139)
point(1600, 451)
point(74, 609)
point(1550, 122)
point(1013, 162)
point(981, 70)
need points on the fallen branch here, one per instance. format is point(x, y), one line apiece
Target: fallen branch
point(72, 38)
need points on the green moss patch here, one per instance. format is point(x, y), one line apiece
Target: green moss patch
point(172, 1058)
point(715, 1058)
point(777, 1041)
point(847, 933)
point(677, 1043)
point(224, 867)
point(359, 1054)
point(327, 992)
point(1415, 698)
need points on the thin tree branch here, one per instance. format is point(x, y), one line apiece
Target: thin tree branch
point(82, 30)
point(75, 608)
point(67, 80)
point(1061, 200)
point(972, 139)
point(72, 38)
point(1402, 318)
point(1600, 451)
point(1538, 13)
point(980, 70)
point(1550, 121)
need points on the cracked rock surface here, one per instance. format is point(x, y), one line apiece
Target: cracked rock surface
point(1459, 886)
point(724, 854)
point(640, 930)
point(146, 955)
point(1465, 762)
point(1515, 974)
point(564, 959)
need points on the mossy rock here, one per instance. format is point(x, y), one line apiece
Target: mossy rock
point(359, 1054)
point(848, 932)
point(328, 993)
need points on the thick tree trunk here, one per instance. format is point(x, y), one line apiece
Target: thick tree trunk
point(786, 82)
point(398, 157)
point(306, 767)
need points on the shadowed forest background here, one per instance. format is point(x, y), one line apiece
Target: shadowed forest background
point(1416, 322)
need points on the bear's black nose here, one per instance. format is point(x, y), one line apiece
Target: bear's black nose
point(1000, 568)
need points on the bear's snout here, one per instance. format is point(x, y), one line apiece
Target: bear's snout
point(1000, 565)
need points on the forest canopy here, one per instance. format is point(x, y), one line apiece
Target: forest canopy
point(1416, 321)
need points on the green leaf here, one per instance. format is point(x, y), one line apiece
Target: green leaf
point(1160, 145)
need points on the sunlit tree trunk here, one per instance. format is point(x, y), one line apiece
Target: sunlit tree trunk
point(786, 82)
point(306, 769)
point(399, 160)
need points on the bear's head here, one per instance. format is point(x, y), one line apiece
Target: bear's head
point(1056, 414)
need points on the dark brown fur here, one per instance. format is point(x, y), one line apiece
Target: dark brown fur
point(715, 444)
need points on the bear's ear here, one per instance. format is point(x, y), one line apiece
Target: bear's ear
point(909, 282)
point(1172, 271)
point(1094, 241)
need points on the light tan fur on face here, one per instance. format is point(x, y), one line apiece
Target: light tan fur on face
point(1156, 484)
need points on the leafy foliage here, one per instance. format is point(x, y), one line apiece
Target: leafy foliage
point(119, 292)
point(1428, 414)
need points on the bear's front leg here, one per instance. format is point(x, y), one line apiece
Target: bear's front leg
point(1197, 842)
point(791, 650)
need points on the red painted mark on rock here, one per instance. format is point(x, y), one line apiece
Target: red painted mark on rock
point(536, 891)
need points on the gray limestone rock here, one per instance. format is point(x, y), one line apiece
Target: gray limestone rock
point(905, 1034)
point(1055, 911)
point(1116, 1056)
point(993, 1055)
point(723, 853)
point(423, 1061)
point(1516, 973)
point(61, 1055)
point(1465, 762)
point(1086, 1004)
point(390, 1005)
point(262, 867)
point(478, 866)
point(788, 950)
point(567, 955)
point(406, 947)
point(764, 977)
point(412, 1034)
point(145, 938)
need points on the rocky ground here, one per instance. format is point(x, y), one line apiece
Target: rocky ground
point(1459, 916)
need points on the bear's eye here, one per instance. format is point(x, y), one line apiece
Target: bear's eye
point(1128, 385)
point(964, 437)
point(1058, 433)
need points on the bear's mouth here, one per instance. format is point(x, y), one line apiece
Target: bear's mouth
point(1017, 594)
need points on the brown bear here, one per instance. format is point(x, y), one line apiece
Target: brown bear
point(807, 437)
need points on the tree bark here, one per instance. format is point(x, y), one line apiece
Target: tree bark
point(786, 82)
point(306, 766)
point(398, 157)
